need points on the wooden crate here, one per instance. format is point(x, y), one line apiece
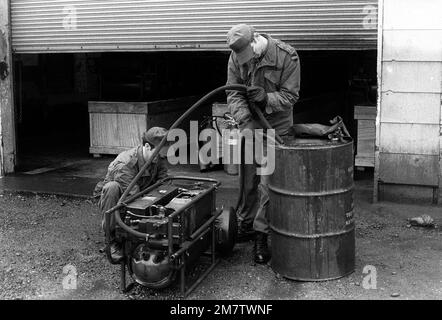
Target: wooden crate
point(117, 126)
point(366, 136)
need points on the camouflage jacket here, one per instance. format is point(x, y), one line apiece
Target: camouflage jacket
point(127, 165)
point(278, 72)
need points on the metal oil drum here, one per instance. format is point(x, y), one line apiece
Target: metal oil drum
point(311, 209)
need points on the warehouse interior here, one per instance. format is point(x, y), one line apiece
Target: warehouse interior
point(52, 92)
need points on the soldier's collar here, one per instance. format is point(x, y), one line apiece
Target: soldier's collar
point(141, 161)
point(269, 56)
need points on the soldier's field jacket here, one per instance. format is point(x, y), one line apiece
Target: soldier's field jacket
point(278, 72)
point(127, 165)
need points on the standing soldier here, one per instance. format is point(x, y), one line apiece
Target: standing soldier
point(271, 70)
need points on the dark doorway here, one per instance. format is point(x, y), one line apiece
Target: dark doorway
point(53, 90)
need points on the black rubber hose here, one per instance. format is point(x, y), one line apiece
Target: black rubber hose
point(241, 174)
point(265, 123)
point(210, 95)
point(114, 210)
point(237, 87)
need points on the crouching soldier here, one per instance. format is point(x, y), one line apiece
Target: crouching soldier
point(123, 170)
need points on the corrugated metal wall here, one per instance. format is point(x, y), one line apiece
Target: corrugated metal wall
point(409, 141)
point(141, 25)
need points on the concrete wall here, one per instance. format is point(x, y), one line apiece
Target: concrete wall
point(408, 159)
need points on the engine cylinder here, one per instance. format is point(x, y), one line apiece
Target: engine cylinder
point(151, 268)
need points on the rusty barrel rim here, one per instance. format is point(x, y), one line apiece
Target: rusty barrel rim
point(284, 233)
point(309, 146)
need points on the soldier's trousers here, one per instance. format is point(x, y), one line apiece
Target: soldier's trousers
point(110, 195)
point(252, 211)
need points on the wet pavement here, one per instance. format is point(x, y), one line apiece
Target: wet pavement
point(78, 178)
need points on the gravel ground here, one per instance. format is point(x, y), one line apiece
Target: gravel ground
point(40, 235)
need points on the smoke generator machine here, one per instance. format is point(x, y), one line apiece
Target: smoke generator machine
point(168, 229)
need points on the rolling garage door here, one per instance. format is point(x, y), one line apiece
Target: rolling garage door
point(143, 25)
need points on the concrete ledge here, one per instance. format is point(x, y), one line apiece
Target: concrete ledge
point(64, 186)
point(408, 193)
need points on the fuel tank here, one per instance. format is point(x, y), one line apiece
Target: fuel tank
point(311, 209)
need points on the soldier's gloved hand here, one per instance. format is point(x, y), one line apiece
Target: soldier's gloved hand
point(246, 124)
point(258, 96)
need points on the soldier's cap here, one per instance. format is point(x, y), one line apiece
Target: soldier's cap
point(154, 135)
point(239, 38)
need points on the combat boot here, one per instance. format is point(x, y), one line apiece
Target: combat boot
point(261, 251)
point(245, 233)
point(116, 251)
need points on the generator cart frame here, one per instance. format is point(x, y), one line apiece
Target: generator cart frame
point(174, 246)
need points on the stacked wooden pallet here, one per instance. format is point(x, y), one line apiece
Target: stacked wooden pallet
point(366, 136)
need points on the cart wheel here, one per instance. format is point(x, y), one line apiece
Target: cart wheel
point(226, 231)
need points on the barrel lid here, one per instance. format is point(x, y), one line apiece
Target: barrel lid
point(291, 142)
